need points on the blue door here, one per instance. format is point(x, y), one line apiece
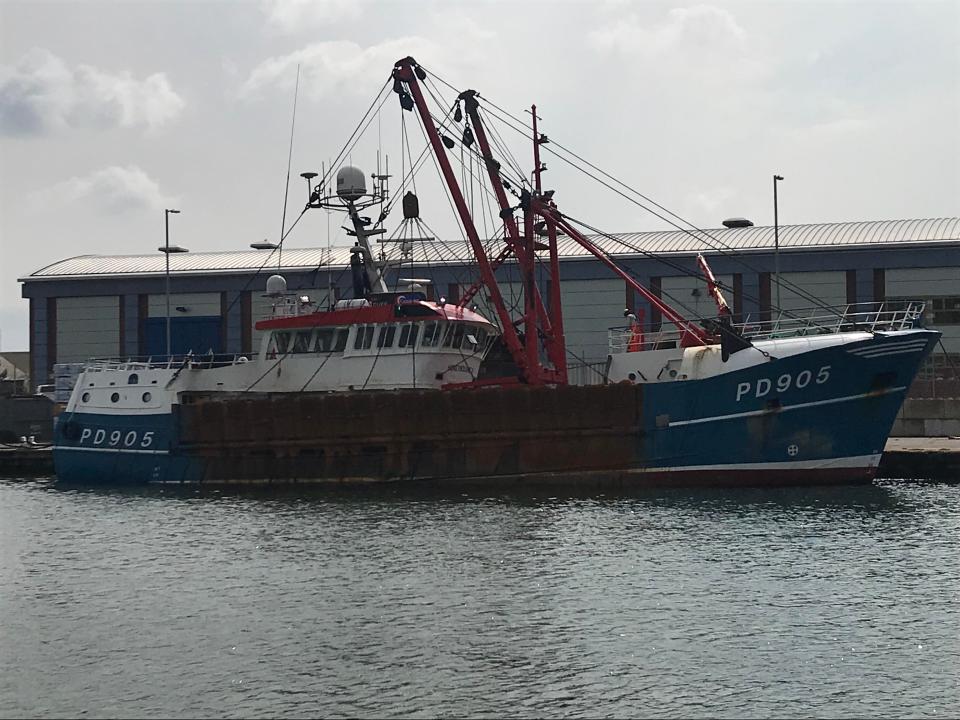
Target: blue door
point(199, 334)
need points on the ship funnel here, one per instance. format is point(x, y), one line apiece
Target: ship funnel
point(351, 183)
point(276, 286)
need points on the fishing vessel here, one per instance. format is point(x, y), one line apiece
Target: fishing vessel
point(390, 386)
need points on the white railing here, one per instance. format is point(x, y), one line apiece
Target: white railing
point(292, 306)
point(165, 362)
point(859, 317)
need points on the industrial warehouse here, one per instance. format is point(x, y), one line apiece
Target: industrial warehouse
point(116, 306)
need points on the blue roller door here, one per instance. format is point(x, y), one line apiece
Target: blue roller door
point(199, 334)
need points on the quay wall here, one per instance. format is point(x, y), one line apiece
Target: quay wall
point(928, 417)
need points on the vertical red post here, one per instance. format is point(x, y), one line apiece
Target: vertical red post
point(557, 348)
point(530, 290)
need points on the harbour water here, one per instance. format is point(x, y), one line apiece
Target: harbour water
point(839, 602)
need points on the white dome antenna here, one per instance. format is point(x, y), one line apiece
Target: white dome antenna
point(276, 286)
point(351, 183)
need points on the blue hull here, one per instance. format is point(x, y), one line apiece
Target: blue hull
point(822, 416)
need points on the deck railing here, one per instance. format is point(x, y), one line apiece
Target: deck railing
point(161, 362)
point(868, 317)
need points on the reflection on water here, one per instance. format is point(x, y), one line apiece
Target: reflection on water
point(406, 602)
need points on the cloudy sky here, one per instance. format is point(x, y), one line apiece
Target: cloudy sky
point(110, 112)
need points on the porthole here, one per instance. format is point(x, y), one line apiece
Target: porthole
point(115, 397)
point(146, 397)
point(85, 397)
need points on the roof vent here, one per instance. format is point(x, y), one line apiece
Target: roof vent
point(737, 223)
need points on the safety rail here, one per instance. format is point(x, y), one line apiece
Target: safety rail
point(858, 317)
point(150, 362)
point(292, 306)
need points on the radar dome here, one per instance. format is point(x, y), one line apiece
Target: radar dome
point(276, 285)
point(351, 183)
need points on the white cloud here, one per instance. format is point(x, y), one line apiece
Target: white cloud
point(706, 205)
point(342, 66)
point(296, 15)
point(40, 93)
point(113, 190)
point(699, 29)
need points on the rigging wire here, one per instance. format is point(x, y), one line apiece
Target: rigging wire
point(286, 189)
point(681, 269)
point(705, 237)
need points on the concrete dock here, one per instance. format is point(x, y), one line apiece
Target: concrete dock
point(928, 458)
point(936, 458)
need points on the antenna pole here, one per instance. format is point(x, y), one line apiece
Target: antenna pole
point(776, 242)
point(536, 151)
point(286, 191)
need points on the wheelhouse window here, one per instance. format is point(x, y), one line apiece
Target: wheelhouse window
point(301, 341)
point(281, 341)
point(408, 335)
point(386, 336)
point(431, 335)
point(341, 340)
point(453, 336)
point(323, 343)
point(363, 338)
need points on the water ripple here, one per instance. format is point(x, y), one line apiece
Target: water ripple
point(821, 602)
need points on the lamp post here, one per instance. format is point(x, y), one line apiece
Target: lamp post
point(166, 250)
point(776, 241)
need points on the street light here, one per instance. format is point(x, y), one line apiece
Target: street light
point(776, 241)
point(166, 250)
point(264, 245)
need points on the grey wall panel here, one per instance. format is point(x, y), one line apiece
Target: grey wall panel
point(829, 288)
point(87, 327)
point(590, 308)
point(39, 354)
point(194, 304)
point(234, 319)
point(690, 296)
point(131, 324)
point(921, 283)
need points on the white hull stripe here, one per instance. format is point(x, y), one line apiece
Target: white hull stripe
point(890, 342)
point(908, 351)
point(884, 351)
point(113, 450)
point(888, 346)
point(787, 408)
point(857, 461)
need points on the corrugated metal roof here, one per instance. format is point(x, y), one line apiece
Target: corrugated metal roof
point(792, 237)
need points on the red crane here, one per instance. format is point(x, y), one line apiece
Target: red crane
point(542, 325)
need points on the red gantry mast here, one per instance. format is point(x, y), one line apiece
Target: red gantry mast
point(539, 322)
